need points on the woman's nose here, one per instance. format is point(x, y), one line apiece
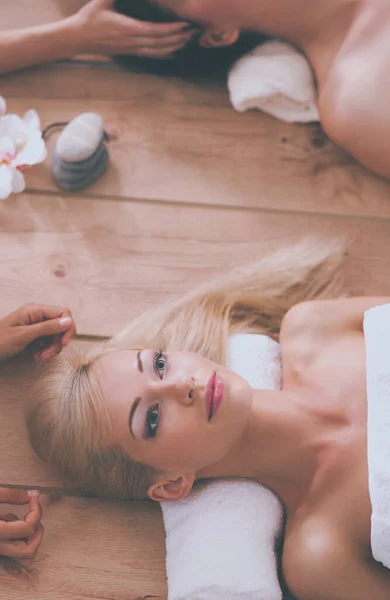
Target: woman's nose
point(181, 389)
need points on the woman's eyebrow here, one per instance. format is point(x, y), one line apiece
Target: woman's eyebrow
point(139, 362)
point(140, 368)
point(131, 415)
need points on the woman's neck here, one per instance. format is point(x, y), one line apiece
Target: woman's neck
point(280, 447)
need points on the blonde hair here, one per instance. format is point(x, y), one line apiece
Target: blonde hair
point(68, 419)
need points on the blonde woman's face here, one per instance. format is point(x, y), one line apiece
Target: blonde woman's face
point(175, 411)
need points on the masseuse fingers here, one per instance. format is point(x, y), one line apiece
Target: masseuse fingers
point(23, 549)
point(135, 28)
point(51, 348)
point(14, 496)
point(7, 517)
point(32, 313)
point(48, 328)
point(18, 529)
point(104, 4)
point(131, 44)
point(41, 320)
point(158, 52)
point(52, 326)
point(160, 42)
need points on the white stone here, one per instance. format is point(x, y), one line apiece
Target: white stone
point(81, 137)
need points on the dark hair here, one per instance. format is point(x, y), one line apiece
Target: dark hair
point(191, 61)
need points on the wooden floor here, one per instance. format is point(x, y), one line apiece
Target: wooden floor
point(193, 187)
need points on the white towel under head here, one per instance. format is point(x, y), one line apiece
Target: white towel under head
point(277, 79)
point(220, 541)
point(377, 338)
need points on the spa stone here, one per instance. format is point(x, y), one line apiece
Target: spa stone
point(81, 155)
point(81, 137)
point(77, 176)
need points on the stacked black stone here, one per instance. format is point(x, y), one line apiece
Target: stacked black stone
point(81, 154)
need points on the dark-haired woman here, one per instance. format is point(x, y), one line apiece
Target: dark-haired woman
point(346, 41)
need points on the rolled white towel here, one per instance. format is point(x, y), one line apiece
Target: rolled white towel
point(377, 338)
point(220, 541)
point(276, 79)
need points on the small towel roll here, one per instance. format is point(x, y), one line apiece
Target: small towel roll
point(276, 79)
point(377, 338)
point(220, 543)
point(221, 540)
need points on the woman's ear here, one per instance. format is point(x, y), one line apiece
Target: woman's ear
point(174, 488)
point(213, 38)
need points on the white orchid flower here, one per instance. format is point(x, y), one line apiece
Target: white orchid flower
point(21, 146)
point(3, 106)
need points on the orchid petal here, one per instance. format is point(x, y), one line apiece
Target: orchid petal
point(33, 152)
point(32, 120)
point(7, 148)
point(21, 145)
point(13, 126)
point(6, 177)
point(18, 182)
point(3, 106)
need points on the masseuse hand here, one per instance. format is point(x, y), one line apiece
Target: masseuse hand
point(20, 538)
point(46, 328)
point(102, 30)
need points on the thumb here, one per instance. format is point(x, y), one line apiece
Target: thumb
point(14, 496)
point(47, 328)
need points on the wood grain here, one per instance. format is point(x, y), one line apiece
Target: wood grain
point(182, 142)
point(110, 260)
point(93, 549)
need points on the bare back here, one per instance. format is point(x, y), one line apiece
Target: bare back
point(354, 90)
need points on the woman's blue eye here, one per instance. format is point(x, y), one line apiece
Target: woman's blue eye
point(160, 363)
point(152, 420)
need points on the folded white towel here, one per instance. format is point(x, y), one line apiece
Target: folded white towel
point(377, 337)
point(276, 79)
point(220, 541)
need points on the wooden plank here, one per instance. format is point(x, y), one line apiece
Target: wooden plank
point(94, 549)
point(119, 258)
point(182, 142)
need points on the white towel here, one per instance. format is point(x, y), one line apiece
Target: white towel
point(220, 541)
point(276, 79)
point(377, 337)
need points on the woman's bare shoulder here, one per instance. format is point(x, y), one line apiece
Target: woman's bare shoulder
point(304, 331)
point(319, 561)
point(354, 98)
point(308, 556)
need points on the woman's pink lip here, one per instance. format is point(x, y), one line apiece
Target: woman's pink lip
point(214, 394)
